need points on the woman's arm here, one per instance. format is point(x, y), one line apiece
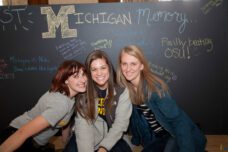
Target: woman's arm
point(84, 134)
point(26, 131)
point(179, 121)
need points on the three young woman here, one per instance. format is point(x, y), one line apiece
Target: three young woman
point(102, 115)
point(32, 130)
point(157, 123)
point(111, 109)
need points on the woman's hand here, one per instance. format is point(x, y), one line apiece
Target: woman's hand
point(102, 150)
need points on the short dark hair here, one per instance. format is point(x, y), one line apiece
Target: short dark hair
point(65, 70)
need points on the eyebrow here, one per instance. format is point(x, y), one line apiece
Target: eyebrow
point(99, 66)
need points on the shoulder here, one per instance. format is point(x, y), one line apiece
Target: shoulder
point(56, 101)
point(161, 99)
point(124, 99)
point(118, 89)
point(120, 92)
point(166, 104)
point(158, 92)
point(58, 97)
point(55, 95)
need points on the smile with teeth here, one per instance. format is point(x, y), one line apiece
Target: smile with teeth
point(100, 78)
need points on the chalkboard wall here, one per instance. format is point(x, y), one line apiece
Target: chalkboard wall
point(185, 44)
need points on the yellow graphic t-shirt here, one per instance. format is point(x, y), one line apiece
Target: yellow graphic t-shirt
point(101, 108)
point(101, 103)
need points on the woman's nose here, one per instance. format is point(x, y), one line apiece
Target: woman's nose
point(128, 67)
point(98, 72)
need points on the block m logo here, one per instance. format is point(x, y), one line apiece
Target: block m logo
point(54, 22)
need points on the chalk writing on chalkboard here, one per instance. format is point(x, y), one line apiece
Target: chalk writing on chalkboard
point(13, 15)
point(3, 65)
point(20, 64)
point(210, 5)
point(24, 61)
point(178, 48)
point(141, 43)
point(103, 18)
point(54, 21)
point(163, 72)
point(5, 75)
point(122, 38)
point(102, 44)
point(71, 49)
point(149, 16)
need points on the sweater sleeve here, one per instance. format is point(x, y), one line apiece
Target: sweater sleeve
point(84, 134)
point(135, 140)
point(175, 116)
point(121, 122)
point(56, 109)
point(168, 107)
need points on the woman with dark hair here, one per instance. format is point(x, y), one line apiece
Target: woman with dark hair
point(157, 122)
point(32, 130)
point(110, 107)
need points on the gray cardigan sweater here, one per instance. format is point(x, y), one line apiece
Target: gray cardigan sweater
point(90, 136)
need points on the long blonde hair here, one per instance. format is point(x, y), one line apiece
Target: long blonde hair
point(152, 81)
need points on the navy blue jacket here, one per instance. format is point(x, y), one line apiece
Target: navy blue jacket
point(188, 136)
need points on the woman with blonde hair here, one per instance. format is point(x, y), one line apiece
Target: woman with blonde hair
point(157, 122)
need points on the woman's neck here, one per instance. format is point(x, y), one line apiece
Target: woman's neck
point(102, 87)
point(135, 88)
point(72, 95)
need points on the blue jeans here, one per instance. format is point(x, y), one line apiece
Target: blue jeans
point(120, 146)
point(165, 143)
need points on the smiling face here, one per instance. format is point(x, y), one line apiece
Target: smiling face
point(100, 73)
point(131, 68)
point(77, 83)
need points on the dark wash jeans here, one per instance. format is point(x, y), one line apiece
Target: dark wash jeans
point(120, 146)
point(27, 146)
point(165, 143)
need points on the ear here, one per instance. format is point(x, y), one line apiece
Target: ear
point(66, 82)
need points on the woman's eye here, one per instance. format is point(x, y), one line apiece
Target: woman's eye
point(93, 69)
point(75, 75)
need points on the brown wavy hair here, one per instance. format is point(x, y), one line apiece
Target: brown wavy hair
point(65, 70)
point(152, 81)
point(92, 88)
